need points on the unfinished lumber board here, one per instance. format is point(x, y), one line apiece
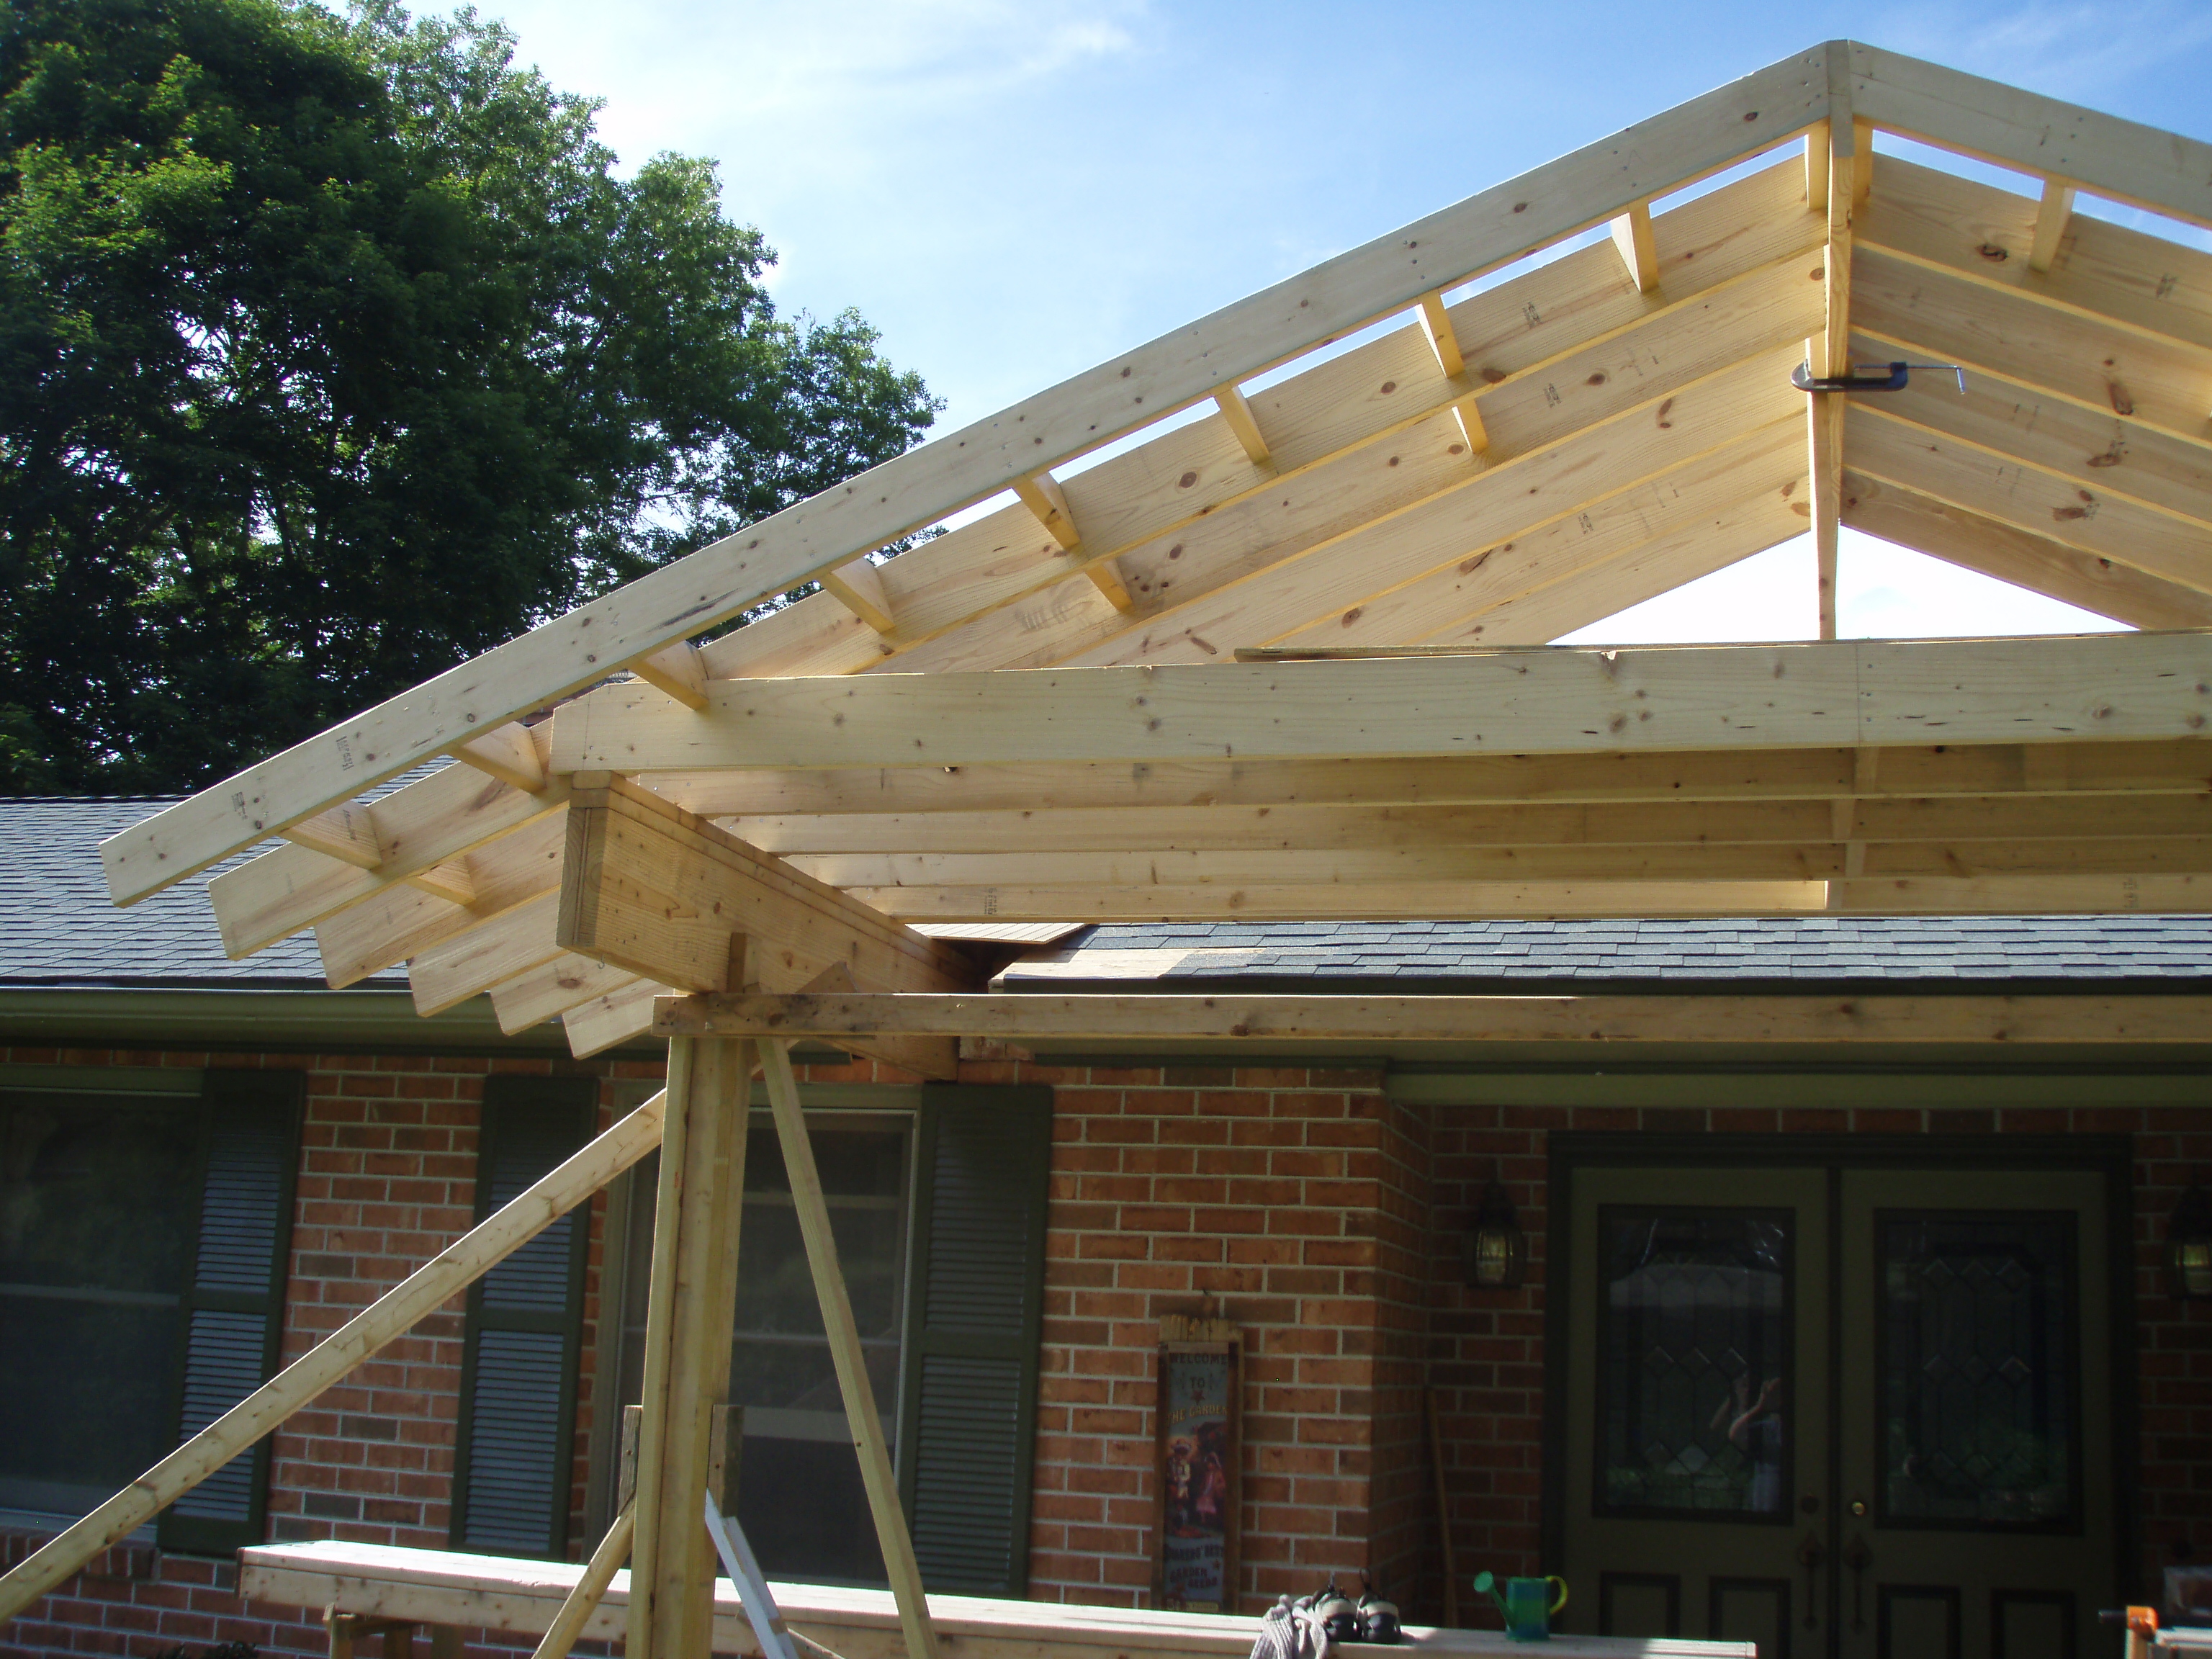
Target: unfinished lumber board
point(607, 1559)
point(991, 578)
point(451, 1271)
point(2010, 553)
point(1493, 227)
point(547, 992)
point(859, 587)
point(2121, 159)
point(454, 969)
point(399, 922)
point(2103, 368)
point(1992, 485)
point(690, 1305)
point(1625, 1019)
point(1554, 700)
point(1633, 241)
point(622, 1014)
point(878, 1477)
point(2183, 767)
point(1236, 415)
point(346, 832)
point(652, 889)
point(510, 753)
point(445, 815)
point(2108, 274)
point(677, 670)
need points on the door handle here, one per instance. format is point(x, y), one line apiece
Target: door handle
point(1810, 1554)
point(1858, 1557)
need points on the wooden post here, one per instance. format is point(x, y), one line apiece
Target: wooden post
point(688, 1312)
point(599, 1573)
point(877, 1475)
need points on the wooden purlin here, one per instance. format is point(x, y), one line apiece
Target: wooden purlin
point(1493, 227)
point(2123, 769)
point(1626, 1020)
point(2023, 558)
point(1585, 700)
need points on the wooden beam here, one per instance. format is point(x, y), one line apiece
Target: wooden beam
point(429, 821)
point(445, 1276)
point(2126, 769)
point(400, 922)
point(1996, 486)
point(1243, 424)
point(1553, 700)
point(986, 595)
point(1106, 577)
point(2013, 555)
point(1047, 501)
point(509, 754)
point(2152, 286)
point(677, 670)
point(2123, 160)
point(1681, 1018)
point(1437, 329)
point(1499, 225)
point(612, 1018)
point(2102, 367)
point(648, 887)
point(860, 589)
point(547, 992)
point(452, 970)
point(878, 1478)
point(1828, 352)
point(347, 833)
point(576, 1610)
point(691, 1305)
point(1631, 237)
point(2051, 214)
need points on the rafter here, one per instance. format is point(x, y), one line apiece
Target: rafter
point(2099, 368)
point(509, 754)
point(2154, 289)
point(1242, 423)
point(678, 670)
point(2010, 553)
point(1633, 241)
point(1890, 448)
point(452, 970)
point(859, 587)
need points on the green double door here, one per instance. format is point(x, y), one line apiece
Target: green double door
point(1846, 1413)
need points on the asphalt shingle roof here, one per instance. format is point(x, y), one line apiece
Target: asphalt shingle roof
point(57, 927)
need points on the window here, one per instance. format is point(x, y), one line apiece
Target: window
point(937, 1207)
point(144, 1222)
point(512, 1453)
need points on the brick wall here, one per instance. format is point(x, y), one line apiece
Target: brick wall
point(1287, 1200)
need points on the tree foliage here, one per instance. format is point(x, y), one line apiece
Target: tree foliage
point(334, 351)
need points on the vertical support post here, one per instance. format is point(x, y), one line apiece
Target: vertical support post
point(1829, 352)
point(877, 1476)
point(688, 1312)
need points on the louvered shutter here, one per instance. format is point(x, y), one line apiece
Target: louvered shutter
point(234, 1300)
point(512, 1458)
point(971, 1360)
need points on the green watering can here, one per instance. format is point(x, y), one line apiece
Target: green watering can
point(1527, 1604)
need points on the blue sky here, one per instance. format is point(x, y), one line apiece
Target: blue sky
point(1014, 190)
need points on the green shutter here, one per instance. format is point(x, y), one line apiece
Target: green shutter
point(233, 1298)
point(517, 1421)
point(971, 1351)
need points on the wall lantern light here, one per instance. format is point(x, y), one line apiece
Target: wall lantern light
point(1497, 1248)
point(2189, 1245)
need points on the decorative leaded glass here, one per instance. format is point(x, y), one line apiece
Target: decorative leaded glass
point(1979, 1398)
point(1693, 1349)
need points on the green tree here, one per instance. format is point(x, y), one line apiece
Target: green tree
point(334, 351)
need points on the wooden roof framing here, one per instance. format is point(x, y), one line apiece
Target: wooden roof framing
point(1504, 464)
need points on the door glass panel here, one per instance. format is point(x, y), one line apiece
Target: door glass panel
point(1978, 1396)
point(1694, 1351)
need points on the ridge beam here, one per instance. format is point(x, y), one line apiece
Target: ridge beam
point(1640, 251)
point(859, 587)
point(2051, 214)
